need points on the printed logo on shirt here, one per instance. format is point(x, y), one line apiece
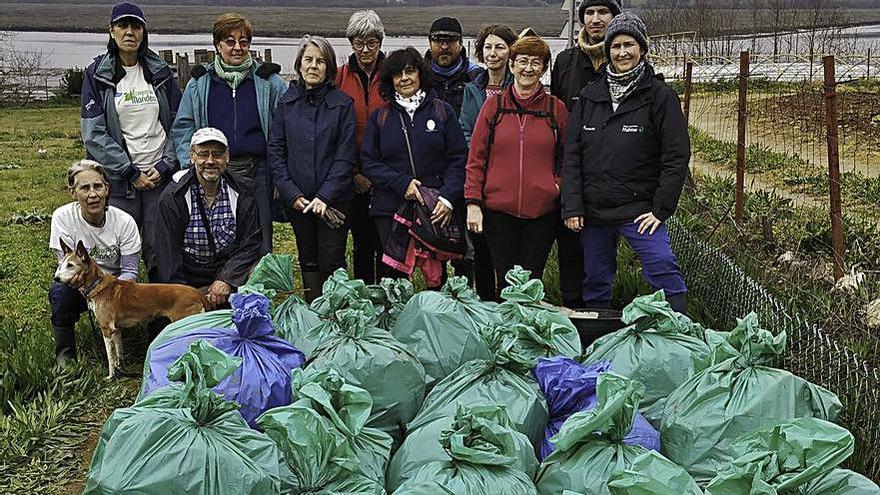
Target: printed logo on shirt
point(431, 126)
point(589, 129)
point(141, 97)
point(632, 129)
point(105, 254)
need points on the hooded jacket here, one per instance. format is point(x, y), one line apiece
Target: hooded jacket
point(312, 144)
point(574, 69)
point(521, 178)
point(99, 122)
point(366, 100)
point(175, 209)
point(193, 112)
point(438, 147)
point(473, 99)
point(619, 165)
point(451, 88)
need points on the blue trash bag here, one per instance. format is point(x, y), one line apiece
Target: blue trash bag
point(570, 387)
point(263, 380)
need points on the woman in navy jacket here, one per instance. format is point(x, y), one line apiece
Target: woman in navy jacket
point(311, 151)
point(437, 144)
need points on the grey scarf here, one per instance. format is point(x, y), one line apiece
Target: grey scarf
point(621, 85)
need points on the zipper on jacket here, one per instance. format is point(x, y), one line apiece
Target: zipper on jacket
point(234, 116)
point(522, 137)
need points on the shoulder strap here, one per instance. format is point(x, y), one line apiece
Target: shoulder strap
point(493, 123)
point(205, 223)
point(412, 162)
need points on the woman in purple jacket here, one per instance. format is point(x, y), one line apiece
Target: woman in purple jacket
point(415, 140)
point(311, 152)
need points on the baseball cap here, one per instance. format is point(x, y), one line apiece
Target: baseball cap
point(208, 134)
point(126, 9)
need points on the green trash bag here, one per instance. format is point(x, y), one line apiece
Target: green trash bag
point(736, 394)
point(273, 275)
point(347, 408)
point(443, 328)
point(389, 297)
point(185, 439)
point(505, 380)
point(522, 304)
point(295, 322)
point(423, 446)
point(318, 459)
point(370, 358)
point(480, 458)
point(340, 291)
point(659, 348)
point(652, 474)
point(783, 458)
point(589, 446)
point(840, 482)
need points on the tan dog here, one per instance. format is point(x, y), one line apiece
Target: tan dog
point(123, 303)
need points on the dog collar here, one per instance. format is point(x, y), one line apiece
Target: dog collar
point(88, 292)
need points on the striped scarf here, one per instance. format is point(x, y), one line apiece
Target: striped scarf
point(621, 85)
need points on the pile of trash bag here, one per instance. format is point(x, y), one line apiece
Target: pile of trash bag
point(570, 387)
point(736, 394)
point(263, 380)
point(389, 297)
point(185, 438)
point(480, 458)
point(652, 474)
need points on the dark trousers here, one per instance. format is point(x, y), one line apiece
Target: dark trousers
point(143, 206)
point(67, 304)
point(659, 265)
point(571, 265)
point(320, 248)
point(366, 254)
point(257, 169)
point(518, 241)
point(383, 229)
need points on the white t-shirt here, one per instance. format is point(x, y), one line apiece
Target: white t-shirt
point(138, 110)
point(106, 245)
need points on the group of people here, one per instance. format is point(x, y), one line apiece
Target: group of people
point(193, 181)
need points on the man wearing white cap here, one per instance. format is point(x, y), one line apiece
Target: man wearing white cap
point(209, 231)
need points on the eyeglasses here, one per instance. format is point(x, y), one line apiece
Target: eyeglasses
point(522, 63)
point(204, 154)
point(370, 44)
point(244, 43)
point(444, 40)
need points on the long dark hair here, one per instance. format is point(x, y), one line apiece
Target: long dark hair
point(395, 63)
point(113, 48)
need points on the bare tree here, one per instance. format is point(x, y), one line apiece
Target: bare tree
point(23, 73)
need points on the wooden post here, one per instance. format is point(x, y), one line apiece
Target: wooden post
point(183, 70)
point(267, 55)
point(741, 137)
point(868, 75)
point(688, 87)
point(833, 165)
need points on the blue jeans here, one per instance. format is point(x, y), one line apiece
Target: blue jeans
point(659, 266)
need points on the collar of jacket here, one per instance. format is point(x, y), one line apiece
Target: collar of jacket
point(598, 90)
point(331, 98)
point(430, 96)
point(355, 67)
point(536, 99)
point(482, 79)
point(464, 72)
point(156, 71)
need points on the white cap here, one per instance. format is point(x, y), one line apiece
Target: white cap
point(208, 134)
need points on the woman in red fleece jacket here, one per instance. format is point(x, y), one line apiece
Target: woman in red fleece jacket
point(513, 174)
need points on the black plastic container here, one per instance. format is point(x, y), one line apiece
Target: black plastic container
point(606, 321)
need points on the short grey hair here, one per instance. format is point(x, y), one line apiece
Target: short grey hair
point(83, 166)
point(327, 52)
point(363, 24)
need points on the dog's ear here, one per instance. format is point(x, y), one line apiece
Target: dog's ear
point(81, 250)
point(65, 249)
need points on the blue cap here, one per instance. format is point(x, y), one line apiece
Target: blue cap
point(126, 9)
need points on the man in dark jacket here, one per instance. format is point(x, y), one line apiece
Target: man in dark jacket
point(575, 68)
point(209, 232)
point(452, 71)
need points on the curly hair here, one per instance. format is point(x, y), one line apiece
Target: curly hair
point(503, 31)
point(395, 63)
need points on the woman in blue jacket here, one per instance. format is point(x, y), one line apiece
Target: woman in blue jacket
point(311, 152)
point(415, 140)
point(237, 95)
point(129, 99)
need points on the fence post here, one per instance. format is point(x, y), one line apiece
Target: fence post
point(183, 70)
point(688, 88)
point(868, 76)
point(833, 165)
point(741, 137)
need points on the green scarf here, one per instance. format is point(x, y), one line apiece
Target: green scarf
point(232, 74)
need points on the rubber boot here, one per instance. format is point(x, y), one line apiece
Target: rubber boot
point(573, 303)
point(313, 285)
point(678, 302)
point(65, 344)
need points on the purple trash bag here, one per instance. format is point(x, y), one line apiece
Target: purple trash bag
point(263, 380)
point(570, 387)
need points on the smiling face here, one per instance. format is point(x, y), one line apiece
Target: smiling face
point(233, 48)
point(91, 192)
point(313, 67)
point(527, 71)
point(495, 52)
point(407, 82)
point(128, 33)
point(625, 53)
point(210, 161)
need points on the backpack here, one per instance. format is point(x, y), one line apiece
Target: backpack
point(550, 115)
